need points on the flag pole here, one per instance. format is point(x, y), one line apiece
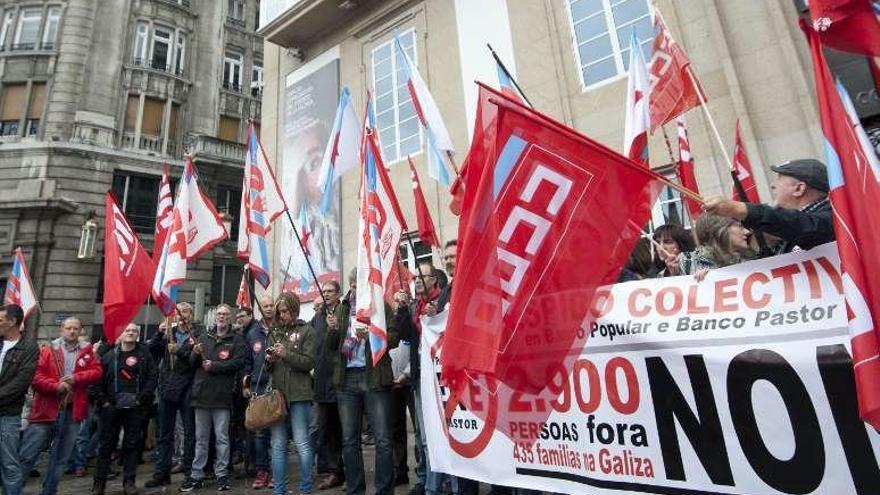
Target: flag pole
point(306, 255)
point(672, 159)
point(509, 75)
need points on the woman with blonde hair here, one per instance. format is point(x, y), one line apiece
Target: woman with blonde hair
point(721, 242)
point(291, 356)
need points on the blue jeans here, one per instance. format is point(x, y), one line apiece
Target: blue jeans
point(353, 398)
point(37, 436)
point(10, 463)
point(300, 415)
point(81, 452)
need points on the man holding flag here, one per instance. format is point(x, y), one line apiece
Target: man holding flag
point(359, 330)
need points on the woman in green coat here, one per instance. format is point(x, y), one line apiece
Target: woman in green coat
point(291, 356)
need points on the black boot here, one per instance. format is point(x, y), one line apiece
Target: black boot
point(158, 480)
point(98, 488)
point(129, 488)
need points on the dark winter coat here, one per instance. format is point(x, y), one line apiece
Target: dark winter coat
point(174, 382)
point(116, 362)
point(16, 376)
point(215, 388)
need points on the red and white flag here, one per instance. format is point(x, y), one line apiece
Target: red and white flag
point(244, 299)
point(854, 181)
point(261, 204)
point(128, 271)
point(674, 87)
point(638, 120)
point(743, 168)
point(427, 233)
point(19, 289)
point(380, 228)
point(163, 211)
point(196, 227)
point(847, 25)
point(540, 199)
point(686, 168)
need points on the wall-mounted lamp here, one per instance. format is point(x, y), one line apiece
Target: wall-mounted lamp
point(88, 238)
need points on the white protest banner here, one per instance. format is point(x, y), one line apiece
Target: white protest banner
point(739, 384)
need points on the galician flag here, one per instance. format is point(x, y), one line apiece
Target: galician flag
point(854, 181)
point(343, 148)
point(436, 136)
point(261, 204)
point(195, 228)
point(19, 289)
point(380, 228)
point(638, 120)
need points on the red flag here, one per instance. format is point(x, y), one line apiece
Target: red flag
point(128, 271)
point(854, 180)
point(548, 218)
point(686, 168)
point(674, 88)
point(848, 25)
point(423, 217)
point(244, 299)
point(743, 168)
point(164, 207)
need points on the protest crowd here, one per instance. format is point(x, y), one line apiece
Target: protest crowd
point(259, 389)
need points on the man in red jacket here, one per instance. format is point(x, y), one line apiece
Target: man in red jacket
point(64, 371)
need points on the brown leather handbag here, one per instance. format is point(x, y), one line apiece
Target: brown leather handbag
point(266, 409)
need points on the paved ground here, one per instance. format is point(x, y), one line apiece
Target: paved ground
point(82, 486)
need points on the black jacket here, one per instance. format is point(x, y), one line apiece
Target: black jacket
point(255, 337)
point(805, 228)
point(147, 374)
point(174, 384)
point(215, 389)
point(16, 376)
point(325, 359)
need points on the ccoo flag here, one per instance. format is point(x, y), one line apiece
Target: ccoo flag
point(343, 148)
point(128, 271)
point(854, 182)
point(195, 228)
point(19, 289)
point(163, 211)
point(243, 299)
point(848, 25)
point(638, 120)
point(674, 88)
point(438, 140)
point(380, 228)
point(261, 204)
point(427, 233)
point(686, 168)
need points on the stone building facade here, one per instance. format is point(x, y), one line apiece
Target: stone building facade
point(569, 57)
point(97, 95)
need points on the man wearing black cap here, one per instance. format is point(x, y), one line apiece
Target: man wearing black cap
point(802, 215)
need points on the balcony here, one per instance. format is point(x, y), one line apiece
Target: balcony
point(47, 46)
point(206, 148)
point(240, 104)
point(235, 22)
point(304, 20)
point(151, 145)
point(160, 82)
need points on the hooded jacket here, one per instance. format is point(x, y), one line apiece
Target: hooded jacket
point(292, 373)
point(50, 369)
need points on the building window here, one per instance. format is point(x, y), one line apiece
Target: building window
point(228, 130)
point(137, 195)
point(257, 80)
point(53, 17)
point(5, 29)
point(28, 31)
point(229, 200)
point(160, 55)
point(232, 71)
point(225, 282)
point(669, 208)
point(13, 104)
point(180, 53)
point(141, 37)
point(35, 109)
point(418, 251)
point(256, 15)
point(602, 29)
point(235, 9)
point(399, 131)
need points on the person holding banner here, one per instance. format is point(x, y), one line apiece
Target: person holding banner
point(361, 386)
point(802, 215)
point(722, 242)
point(291, 357)
point(175, 380)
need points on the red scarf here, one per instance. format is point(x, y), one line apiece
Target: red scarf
point(422, 305)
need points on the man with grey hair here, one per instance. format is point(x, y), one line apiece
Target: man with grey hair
point(65, 370)
point(218, 355)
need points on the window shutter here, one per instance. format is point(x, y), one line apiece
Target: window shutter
point(38, 99)
point(153, 111)
point(228, 129)
point(131, 112)
point(13, 101)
